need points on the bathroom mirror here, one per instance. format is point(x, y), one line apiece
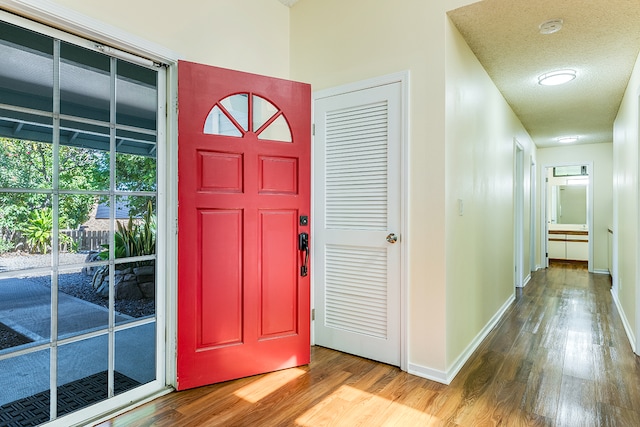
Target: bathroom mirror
point(569, 204)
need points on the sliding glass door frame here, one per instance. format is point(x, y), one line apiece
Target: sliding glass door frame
point(164, 244)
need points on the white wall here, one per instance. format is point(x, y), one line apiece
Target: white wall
point(601, 155)
point(480, 132)
point(625, 207)
point(377, 37)
point(247, 35)
point(373, 38)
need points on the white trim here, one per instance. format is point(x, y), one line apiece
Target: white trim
point(544, 227)
point(592, 181)
point(526, 280)
point(518, 213)
point(312, 206)
point(473, 345)
point(636, 282)
point(450, 374)
point(428, 373)
point(405, 82)
point(163, 240)
point(600, 271)
point(71, 21)
point(625, 322)
point(533, 194)
point(402, 77)
point(77, 419)
point(171, 267)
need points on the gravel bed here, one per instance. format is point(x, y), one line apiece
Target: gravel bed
point(74, 283)
point(22, 260)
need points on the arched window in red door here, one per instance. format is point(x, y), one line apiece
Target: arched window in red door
point(238, 114)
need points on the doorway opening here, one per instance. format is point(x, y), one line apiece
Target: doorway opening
point(567, 207)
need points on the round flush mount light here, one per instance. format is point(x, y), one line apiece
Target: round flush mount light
point(558, 77)
point(551, 26)
point(567, 139)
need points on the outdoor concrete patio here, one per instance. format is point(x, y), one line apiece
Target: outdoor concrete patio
point(25, 307)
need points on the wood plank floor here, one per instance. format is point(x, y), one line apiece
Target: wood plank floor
point(559, 357)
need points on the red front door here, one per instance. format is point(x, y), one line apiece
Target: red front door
point(243, 200)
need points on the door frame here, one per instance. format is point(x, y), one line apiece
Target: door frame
point(518, 214)
point(532, 214)
point(544, 185)
point(402, 77)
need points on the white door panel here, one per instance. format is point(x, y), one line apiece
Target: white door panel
point(357, 152)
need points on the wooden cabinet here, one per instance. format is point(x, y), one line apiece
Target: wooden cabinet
point(569, 245)
point(557, 246)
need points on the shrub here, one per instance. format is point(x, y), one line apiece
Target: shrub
point(37, 230)
point(6, 245)
point(134, 239)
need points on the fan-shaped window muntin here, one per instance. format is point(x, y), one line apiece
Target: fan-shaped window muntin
point(240, 113)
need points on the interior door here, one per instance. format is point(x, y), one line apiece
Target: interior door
point(357, 242)
point(243, 194)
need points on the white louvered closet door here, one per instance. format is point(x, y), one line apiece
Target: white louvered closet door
point(357, 206)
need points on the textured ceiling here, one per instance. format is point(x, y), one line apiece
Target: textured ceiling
point(600, 39)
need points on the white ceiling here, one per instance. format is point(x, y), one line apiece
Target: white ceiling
point(600, 39)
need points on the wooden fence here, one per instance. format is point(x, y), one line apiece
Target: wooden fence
point(88, 240)
point(82, 240)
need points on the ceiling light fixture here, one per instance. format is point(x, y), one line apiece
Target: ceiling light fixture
point(567, 139)
point(555, 78)
point(551, 26)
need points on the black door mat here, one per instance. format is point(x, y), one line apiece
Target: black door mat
point(34, 410)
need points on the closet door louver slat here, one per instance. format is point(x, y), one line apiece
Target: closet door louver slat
point(356, 155)
point(356, 199)
point(356, 301)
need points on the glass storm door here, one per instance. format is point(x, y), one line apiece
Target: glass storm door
point(78, 159)
point(244, 188)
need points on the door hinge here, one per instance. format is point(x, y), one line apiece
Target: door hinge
point(313, 129)
point(546, 180)
point(313, 314)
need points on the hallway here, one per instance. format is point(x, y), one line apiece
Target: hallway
point(559, 357)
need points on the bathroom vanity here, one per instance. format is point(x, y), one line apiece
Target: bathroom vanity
point(568, 242)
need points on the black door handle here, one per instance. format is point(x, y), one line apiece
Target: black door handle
point(303, 245)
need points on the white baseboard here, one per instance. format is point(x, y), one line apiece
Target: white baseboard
point(448, 376)
point(625, 322)
point(428, 373)
point(600, 271)
point(526, 280)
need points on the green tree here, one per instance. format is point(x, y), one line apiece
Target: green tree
point(29, 165)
